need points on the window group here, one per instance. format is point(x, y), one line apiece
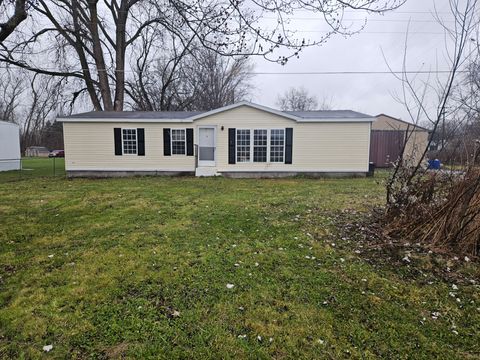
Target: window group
point(260, 145)
point(178, 141)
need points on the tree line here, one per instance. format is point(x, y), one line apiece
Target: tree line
point(64, 56)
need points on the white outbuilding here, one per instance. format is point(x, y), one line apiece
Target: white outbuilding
point(9, 146)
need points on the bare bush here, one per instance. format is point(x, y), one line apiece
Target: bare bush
point(439, 209)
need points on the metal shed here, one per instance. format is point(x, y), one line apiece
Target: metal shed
point(389, 134)
point(9, 146)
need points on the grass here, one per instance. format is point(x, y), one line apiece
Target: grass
point(34, 168)
point(100, 268)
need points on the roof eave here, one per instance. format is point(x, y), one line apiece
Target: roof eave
point(343, 120)
point(123, 120)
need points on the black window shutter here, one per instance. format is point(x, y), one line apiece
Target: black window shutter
point(117, 133)
point(288, 145)
point(231, 146)
point(167, 151)
point(189, 142)
point(141, 142)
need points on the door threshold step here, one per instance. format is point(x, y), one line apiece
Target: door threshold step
point(206, 171)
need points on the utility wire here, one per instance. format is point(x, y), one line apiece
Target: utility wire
point(354, 72)
point(359, 19)
point(345, 72)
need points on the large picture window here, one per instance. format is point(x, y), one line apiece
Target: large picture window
point(277, 145)
point(260, 145)
point(178, 142)
point(129, 140)
point(243, 145)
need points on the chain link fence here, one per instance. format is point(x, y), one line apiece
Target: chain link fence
point(30, 168)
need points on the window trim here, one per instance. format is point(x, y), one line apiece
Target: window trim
point(185, 141)
point(136, 142)
point(252, 138)
point(270, 146)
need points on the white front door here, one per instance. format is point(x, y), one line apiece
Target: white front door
point(206, 145)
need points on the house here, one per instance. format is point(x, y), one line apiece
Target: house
point(390, 135)
point(36, 151)
point(240, 140)
point(9, 146)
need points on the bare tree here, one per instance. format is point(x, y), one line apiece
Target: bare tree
point(298, 99)
point(12, 86)
point(90, 40)
point(44, 98)
point(199, 79)
point(12, 14)
point(31, 101)
point(216, 80)
point(440, 210)
point(415, 92)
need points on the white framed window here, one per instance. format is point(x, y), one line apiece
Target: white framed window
point(243, 145)
point(179, 142)
point(260, 145)
point(129, 141)
point(277, 145)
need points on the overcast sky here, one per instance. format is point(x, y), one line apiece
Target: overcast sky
point(369, 93)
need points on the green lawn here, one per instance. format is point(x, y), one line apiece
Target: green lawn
point(34, 168)
point(139, 268)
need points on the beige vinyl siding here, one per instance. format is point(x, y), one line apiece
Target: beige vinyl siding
point(317, 147)
point(387, 123)
point(90, 146)
point(416, 145)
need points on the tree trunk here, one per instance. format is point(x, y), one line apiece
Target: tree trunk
point(99, 59)
point(120, 56)
point(12, 23)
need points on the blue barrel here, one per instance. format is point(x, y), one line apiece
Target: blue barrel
point(434, 164)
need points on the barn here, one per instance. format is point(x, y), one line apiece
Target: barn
point(9, 146)
point(388, 137)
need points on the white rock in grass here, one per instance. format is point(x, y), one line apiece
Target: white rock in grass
point(406, 259)
point(259, 338)
point(242, 336)
point(454, 287)
point(236, 264)
point(256, 264)
point(270, 339)
point(467, 259)
point(47, 348)
point(50, 256)
point(230, 286)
